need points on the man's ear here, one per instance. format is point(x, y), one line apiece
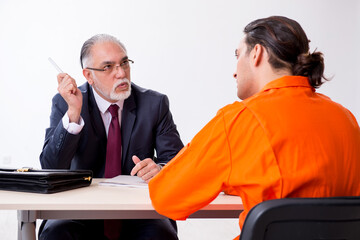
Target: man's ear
point(89, 77)
point(257, 54)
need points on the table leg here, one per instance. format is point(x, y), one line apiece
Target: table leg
point(26, 225)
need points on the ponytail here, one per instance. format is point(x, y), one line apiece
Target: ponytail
point(311, 65)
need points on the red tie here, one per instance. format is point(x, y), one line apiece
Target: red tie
point(113, 148)
point(112, 227)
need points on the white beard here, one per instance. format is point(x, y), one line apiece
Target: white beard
point(114, 96)
point(122, 95)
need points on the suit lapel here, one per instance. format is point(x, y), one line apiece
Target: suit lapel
point(128, 118)
point(94, 113)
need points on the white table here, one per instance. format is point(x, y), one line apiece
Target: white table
point(99, 202)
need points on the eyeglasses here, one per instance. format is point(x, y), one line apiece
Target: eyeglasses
point(236, 53)
point(108, 68)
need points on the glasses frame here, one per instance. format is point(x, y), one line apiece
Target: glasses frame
point(115, 66)
point(236, 53)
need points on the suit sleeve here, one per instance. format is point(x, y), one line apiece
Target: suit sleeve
point(59, 146)
point(168, 142)
point(195, 176)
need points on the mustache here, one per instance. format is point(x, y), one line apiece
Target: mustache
point(121, 81)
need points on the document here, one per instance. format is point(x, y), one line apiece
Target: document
point(125, 181)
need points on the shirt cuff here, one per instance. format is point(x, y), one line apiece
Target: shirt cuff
point(161, 165)
point(72, 127)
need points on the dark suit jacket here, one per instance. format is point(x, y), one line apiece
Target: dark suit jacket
point(146, 125)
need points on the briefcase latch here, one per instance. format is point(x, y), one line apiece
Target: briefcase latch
point(87, 178)
point(23, 170)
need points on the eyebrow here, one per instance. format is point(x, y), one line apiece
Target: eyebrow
point(112, 62)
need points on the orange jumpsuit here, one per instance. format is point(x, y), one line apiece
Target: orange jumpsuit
point(285, 141)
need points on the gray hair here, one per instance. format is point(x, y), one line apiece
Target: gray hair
point(88, 44)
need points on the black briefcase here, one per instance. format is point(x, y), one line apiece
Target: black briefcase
point(43, 181)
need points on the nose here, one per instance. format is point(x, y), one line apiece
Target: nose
point(120, 72)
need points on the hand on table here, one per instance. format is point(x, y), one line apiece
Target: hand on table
point(146, 169)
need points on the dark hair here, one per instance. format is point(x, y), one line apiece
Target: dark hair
point(287, 46)
point(88, 44)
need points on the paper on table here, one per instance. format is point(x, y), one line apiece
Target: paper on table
point(125, 180)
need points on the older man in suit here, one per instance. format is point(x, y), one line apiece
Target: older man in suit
point(82, 135)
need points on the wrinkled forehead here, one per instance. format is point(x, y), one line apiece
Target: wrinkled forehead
point(107, 52)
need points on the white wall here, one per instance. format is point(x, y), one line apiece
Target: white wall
point(184, 49)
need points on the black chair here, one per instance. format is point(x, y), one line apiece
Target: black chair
point(304, 218)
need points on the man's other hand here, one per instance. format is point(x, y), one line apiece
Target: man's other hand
point(146, 169)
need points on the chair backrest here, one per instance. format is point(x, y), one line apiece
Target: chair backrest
point(304, 218)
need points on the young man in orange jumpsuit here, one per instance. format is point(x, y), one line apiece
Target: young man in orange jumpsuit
point(283, 140)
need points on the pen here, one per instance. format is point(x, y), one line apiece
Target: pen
point(55, 65)
point(59, 70)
